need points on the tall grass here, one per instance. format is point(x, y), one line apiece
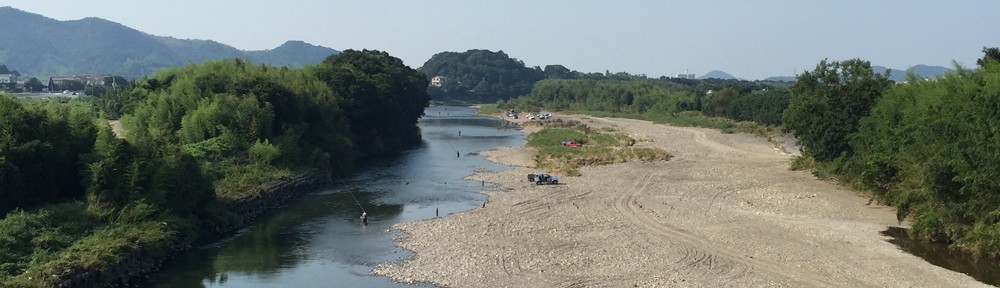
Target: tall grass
point(247, 180)
point(39, 236)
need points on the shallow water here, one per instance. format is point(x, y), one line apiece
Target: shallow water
point(939, 255)
point(319, 241)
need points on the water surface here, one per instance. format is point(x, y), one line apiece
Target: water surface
point(319, 241)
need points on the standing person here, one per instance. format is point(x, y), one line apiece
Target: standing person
point(457, 154)
point(364, 218)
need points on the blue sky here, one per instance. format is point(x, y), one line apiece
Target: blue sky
point(749, 39)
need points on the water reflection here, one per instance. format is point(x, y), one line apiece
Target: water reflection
point(939, 255)
point(320, 242)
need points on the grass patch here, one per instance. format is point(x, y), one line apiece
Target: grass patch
point(102, 255)
point(600, 147)
point(489, 109)
point(248, 180)
point(28, 238)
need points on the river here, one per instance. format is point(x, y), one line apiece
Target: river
point(319, 241)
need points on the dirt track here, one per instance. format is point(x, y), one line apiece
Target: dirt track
point(724, 212)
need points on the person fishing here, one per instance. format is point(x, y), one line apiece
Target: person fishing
point(364, 218)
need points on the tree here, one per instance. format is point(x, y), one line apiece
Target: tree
point(557, 72)
point(482, 75)
point(383, 98)
point(828, 102)
point(991, 54)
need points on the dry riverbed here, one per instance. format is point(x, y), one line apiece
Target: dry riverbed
point(724, 212)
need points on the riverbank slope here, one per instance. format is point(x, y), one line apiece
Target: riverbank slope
point(724, 212)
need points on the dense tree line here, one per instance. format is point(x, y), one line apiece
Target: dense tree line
point(929, 148)
point(742, 102)
point(480, 75)
point(925, 146)
point(190, 136)
point(639, 96)
point(829, 101)
point(606, 95)
point(41, 145)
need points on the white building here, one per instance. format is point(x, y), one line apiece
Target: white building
point(686, 76)
point(8, 78)
point(437, 81)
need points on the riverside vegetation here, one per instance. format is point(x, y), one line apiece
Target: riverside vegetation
point(80, 202)
point(925, 146)
point(600, 147)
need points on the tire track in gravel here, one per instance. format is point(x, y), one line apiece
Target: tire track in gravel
point(627, 205)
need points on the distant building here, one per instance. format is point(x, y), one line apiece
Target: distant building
point(73, 83)
point(686, 76)
point(8, 81)
point(437, 81)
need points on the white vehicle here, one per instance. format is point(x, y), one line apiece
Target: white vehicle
point(532, 117)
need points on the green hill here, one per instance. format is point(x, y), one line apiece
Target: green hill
point(41, 46)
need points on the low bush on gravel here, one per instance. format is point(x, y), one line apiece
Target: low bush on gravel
point(600, 147)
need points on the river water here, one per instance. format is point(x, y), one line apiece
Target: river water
point(319, 241)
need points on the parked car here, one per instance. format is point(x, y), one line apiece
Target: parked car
point(571, 144)
point(542, 178)
point(544, 116)
point(532, 116)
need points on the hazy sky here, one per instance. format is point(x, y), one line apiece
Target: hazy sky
point(749, 39)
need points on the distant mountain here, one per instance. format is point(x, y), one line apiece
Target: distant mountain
point(716, 74)
point(921, 70)
point(40, 46)
point(781, 79)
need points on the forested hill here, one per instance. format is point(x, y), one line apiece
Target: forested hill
point(480, 75)
point(42, 46)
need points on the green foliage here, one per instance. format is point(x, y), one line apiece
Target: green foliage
point(929, 149)
point(607, 95)
point(40, 145)
point(197, 133)
point(741, 103)
point(243, 181)
point(991, 54)
point(263, 152)
point(38, 236)
point(101, 254)
point(828, 102)
point(382, 98)
point(481, 76)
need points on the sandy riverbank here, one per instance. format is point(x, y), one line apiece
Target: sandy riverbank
point(724, 212)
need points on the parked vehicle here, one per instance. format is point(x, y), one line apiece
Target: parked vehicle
point(532, 116)
point(542, 178)
point(571, 144)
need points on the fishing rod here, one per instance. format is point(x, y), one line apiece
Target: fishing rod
point(342, 182)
